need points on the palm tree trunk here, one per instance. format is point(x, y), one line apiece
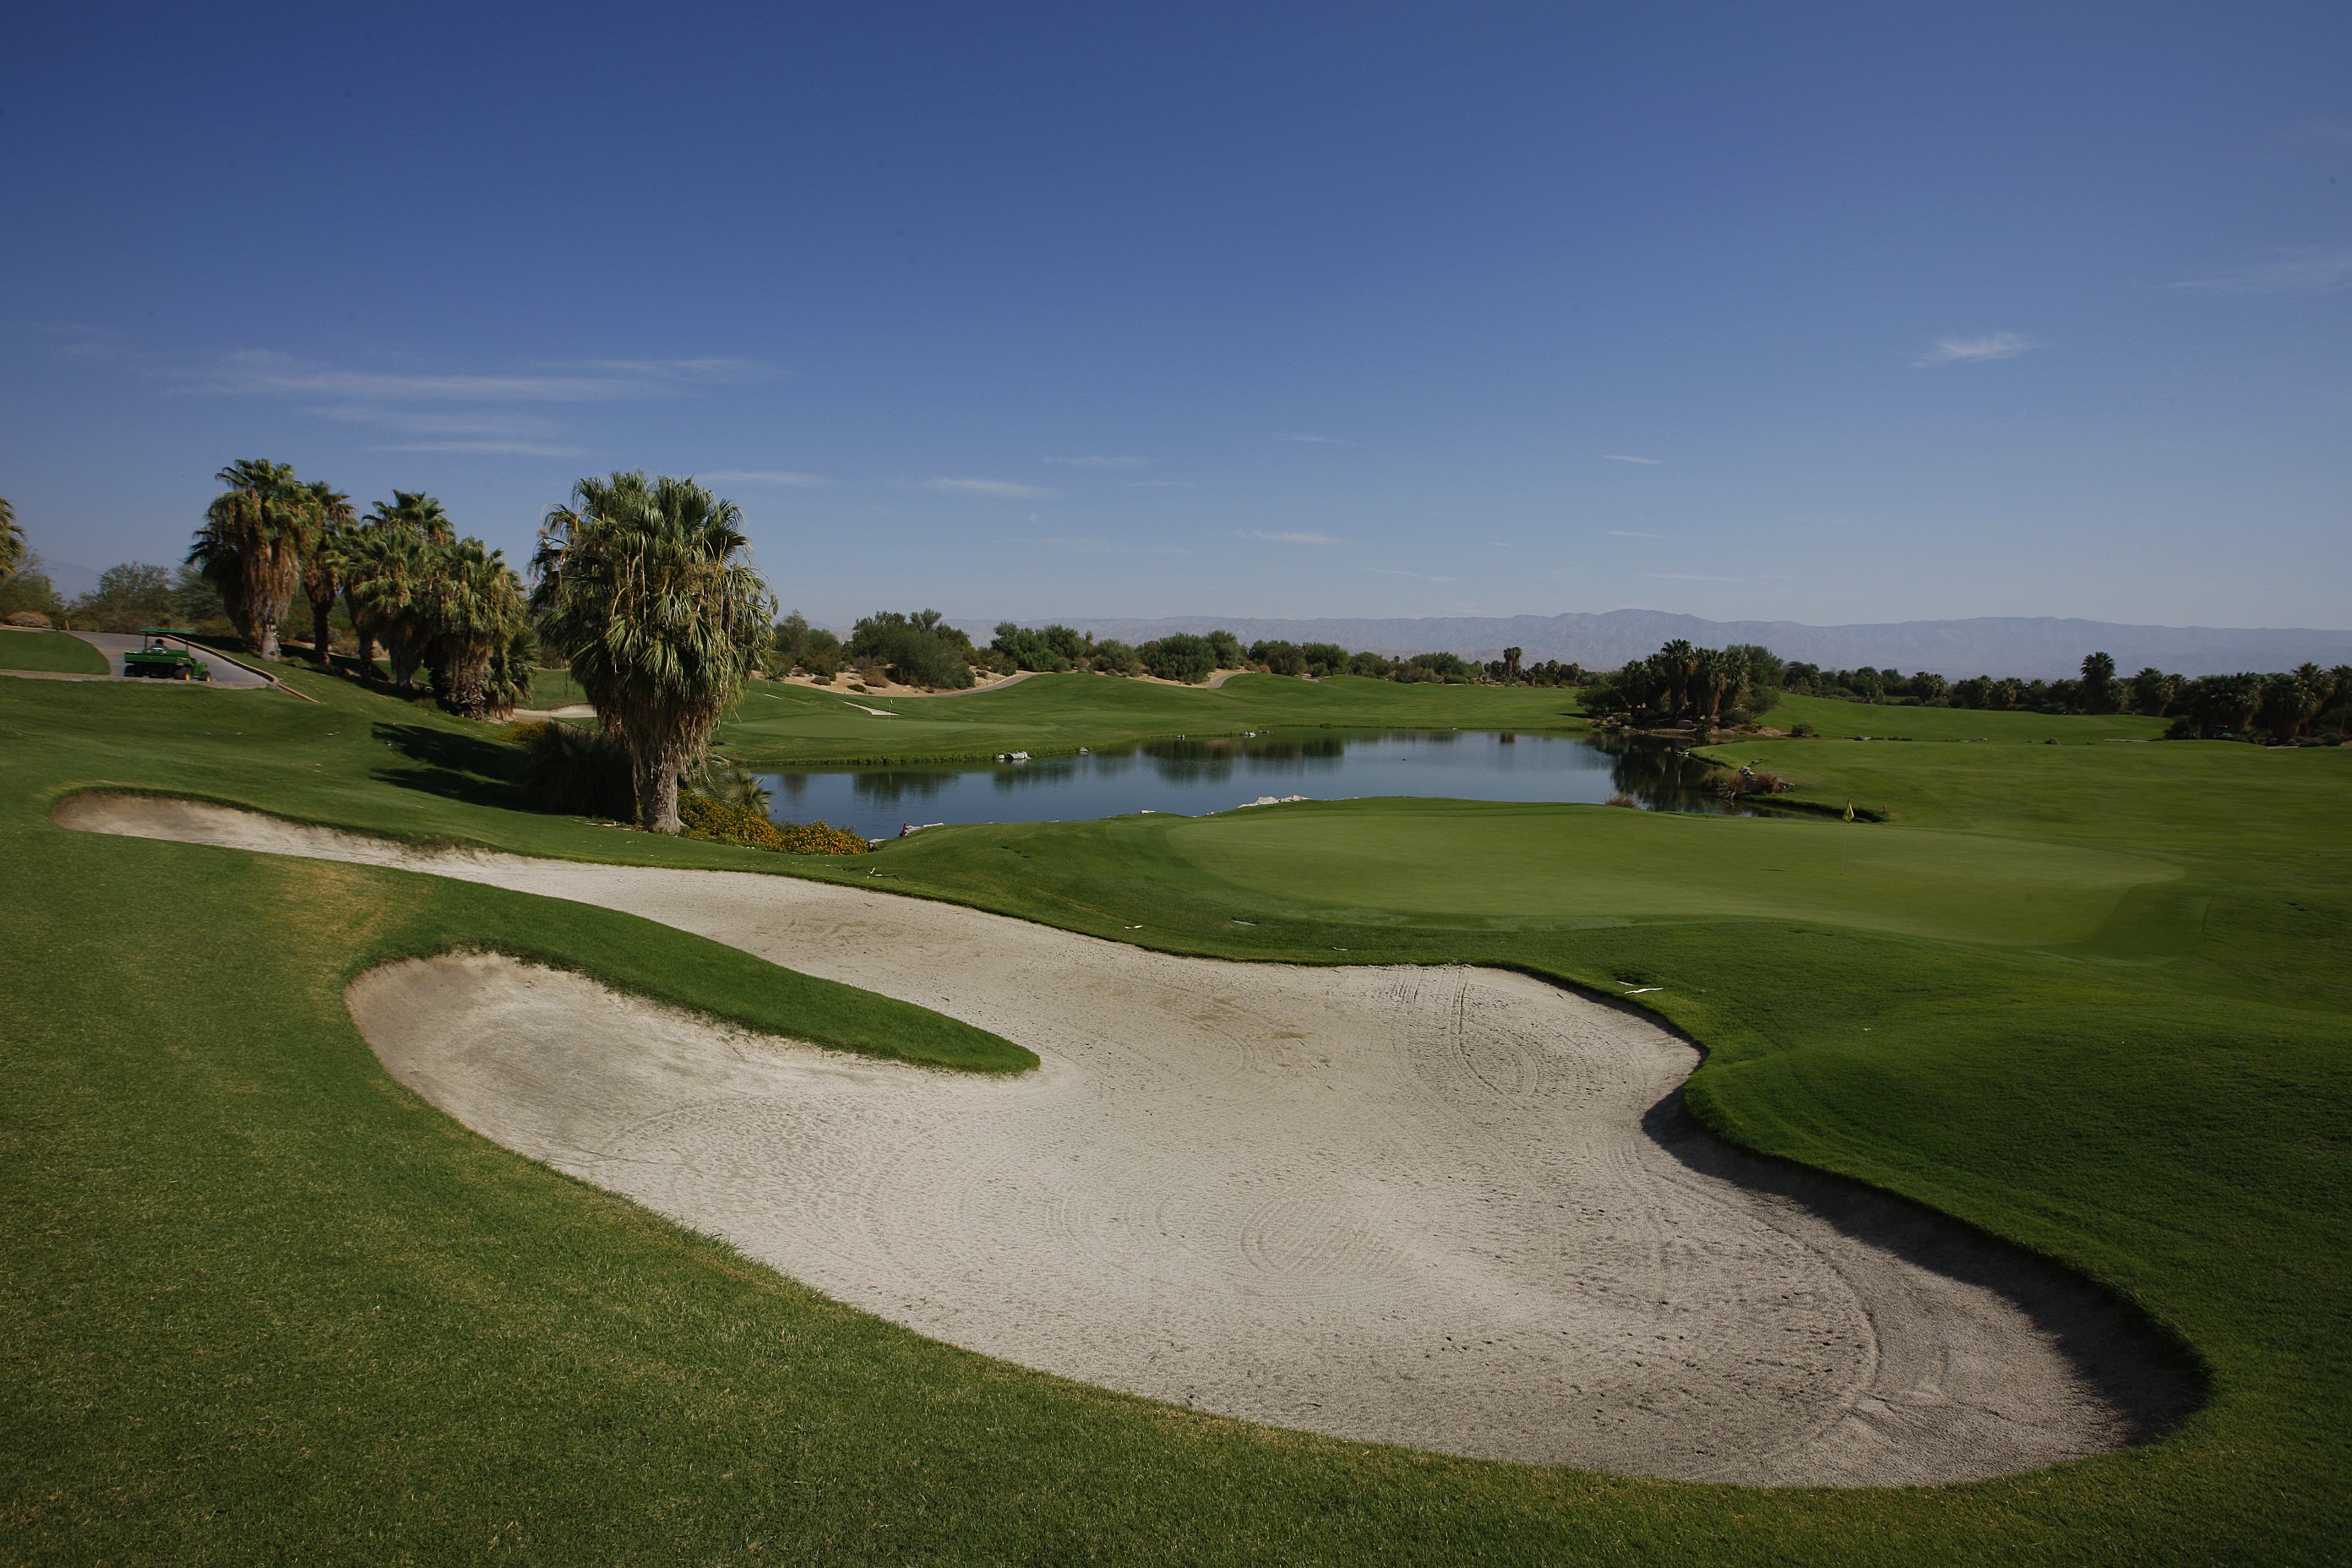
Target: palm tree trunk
point(321, 640)
point(657, 791)
point(470, 669)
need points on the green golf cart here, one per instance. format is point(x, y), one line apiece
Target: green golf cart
point(156, 659)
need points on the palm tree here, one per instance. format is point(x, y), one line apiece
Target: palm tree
point(383, 575)
point(414, 510)
point(380, 565)
point(646, 589)
point(506, 684)
point(1678, 662)
point(12, 541)
point(1722, 674)
point(331, 518)
point(2153, 691)
point(2098, 683)
point(251, 547)
point(469, 606)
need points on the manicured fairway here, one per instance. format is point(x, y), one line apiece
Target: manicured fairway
point(59, 651)
point(1895, 721)
point(783, 725)
point(259, 1301)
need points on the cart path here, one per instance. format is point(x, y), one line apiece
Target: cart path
point(1453, 1208)
point(226, 674)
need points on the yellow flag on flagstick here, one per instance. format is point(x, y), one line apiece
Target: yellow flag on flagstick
point(1849, 811)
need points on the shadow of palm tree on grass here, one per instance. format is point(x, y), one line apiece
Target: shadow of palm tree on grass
point(452, 764)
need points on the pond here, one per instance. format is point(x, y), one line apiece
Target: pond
point(1194, 777)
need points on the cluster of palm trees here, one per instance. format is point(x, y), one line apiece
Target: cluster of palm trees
point(447, 605)
point(645, 586)
point(2281, 706)
point(1681, 680)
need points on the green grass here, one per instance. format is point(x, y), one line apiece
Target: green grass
point(1839, 718)
point(551, 688)
point(59, 651)
point(778, 725)
point(259, 1301)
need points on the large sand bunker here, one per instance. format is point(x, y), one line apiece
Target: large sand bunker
point(1451, 1208)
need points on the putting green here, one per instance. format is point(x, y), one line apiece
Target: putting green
point(1509, 866)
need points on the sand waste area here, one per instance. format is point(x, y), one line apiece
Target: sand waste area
point(1451, 1208)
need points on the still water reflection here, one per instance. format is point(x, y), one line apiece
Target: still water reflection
point(1194, 777)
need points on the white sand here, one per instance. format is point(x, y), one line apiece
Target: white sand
point(1451, 1208)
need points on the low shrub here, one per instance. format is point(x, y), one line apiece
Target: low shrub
point(1752, 780)
point(724, 823)
point(574, 772)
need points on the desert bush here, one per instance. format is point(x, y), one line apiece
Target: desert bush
point(822, 839)
point(919, 649)
point(1179, 656)
point(727, 824)
point(1114, 658)
point(32, 620)
point(1621, 798)
point(1804, 732)
point(574, 772)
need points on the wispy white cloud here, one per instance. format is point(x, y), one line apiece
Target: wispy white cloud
point(1688, 577)
point(1632, 533)
point(763, 477)
point(1629, 458)
point(1313, 440)
point(1288, 538)
point(1973, 350)
point(1001, 490)
point(708, 370)
point(1160, 484)
point(1087, 546)
point(513, 426)
point(502, 448)
point(1102, 462)
point(1417, 576)
point(265, 373)
point(2308, 269)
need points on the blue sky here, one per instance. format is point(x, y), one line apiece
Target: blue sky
point(1831, 314)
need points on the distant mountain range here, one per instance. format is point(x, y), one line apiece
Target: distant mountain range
point(2022, 646)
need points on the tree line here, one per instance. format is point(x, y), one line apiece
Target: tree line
point(921, 649)
point(2279, 706)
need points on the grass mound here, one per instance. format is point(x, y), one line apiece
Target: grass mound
point(59, 652)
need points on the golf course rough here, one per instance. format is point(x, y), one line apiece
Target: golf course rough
point(1444, 1207)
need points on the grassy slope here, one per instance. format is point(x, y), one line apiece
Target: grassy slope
point(782, 725)
point(1893, 722)
point(51, 650)
point(256, 1294)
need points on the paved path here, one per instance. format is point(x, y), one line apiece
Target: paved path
point(114, 644)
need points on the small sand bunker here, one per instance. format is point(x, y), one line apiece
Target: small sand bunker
point(1450, 1208)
